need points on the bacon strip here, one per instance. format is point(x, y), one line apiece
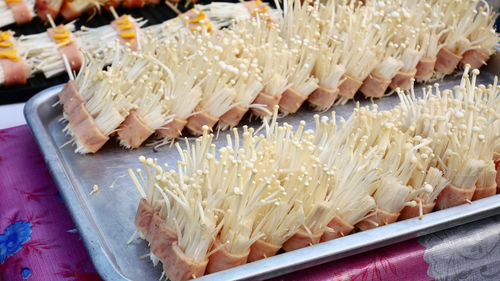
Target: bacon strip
point(222, 259)
point(452, 196)
point(234, 115)
point(78, 114)
point(374, 86)
point(20, 11)
point(134, 130)
point(291, 100)
point(143, 216)
point(349, 87)
point(446, 61)
point(69, 97)
point(14, 72)
point(68, 92)
point(153, 227)
point(340, 227)
point(89, 135)
point(409, 212)
point(301, 239)
point(381, 218)
point(180, 267)
point(402, 80)
point(267, 100)
point(475, 58)
point(173, 129)
point(196, 122)
point(322, 98)
point(425, 68)
point(161, 240)
point(484, 191)
point(261, 249)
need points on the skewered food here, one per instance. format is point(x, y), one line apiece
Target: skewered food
point(16, 11)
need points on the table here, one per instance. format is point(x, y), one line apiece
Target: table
point(38, 239)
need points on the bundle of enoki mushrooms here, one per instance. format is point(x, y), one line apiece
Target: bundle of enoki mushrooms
point(320, 53)
point(288, 189)
point(16, 11)
point(43, 52)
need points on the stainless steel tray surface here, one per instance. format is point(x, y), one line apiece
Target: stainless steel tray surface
point(105, 219)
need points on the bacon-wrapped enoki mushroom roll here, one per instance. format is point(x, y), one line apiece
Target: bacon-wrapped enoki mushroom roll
point(487, 100)
point(270, 51)
point(279, 221)
point(248, 84)
point(425, 201)
point(218, 76)
point(462, 162)
point(411, 51)
point(101, 107)
point(329, 72)
point(45, 50)
point(430, 42)
point(386, 22)
point(16, 11)
point(300, 25)
point(73, 9)
point(459, 18)
point(311, 179)
point(251, 187)
point(359, 48)
point(223, 13)
point(183, 92)
point(100, 41)
point(354, 177)
point(144, 78)
point(327, 68)
point(14, 70)
point(483, 39)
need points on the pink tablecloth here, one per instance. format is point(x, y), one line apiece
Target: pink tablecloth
point(38, 239)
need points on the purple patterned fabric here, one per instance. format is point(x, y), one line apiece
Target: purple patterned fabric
point(402, 261)
point(38, 240)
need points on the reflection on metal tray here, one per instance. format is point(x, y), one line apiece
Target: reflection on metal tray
point(105, 219)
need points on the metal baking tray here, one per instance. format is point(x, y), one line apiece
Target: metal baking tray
point(105, 219)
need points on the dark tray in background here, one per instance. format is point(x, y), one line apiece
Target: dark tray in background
point(21, 93)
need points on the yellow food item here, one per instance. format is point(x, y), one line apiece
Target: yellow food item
point(10, 54)
point(4, 36)
point(201, 16)
point(6, 44)
point(129, 34)
point(61, 34)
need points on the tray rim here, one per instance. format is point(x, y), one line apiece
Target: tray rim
point(263, 269)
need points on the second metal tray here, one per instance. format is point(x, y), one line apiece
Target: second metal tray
point(105, 219)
